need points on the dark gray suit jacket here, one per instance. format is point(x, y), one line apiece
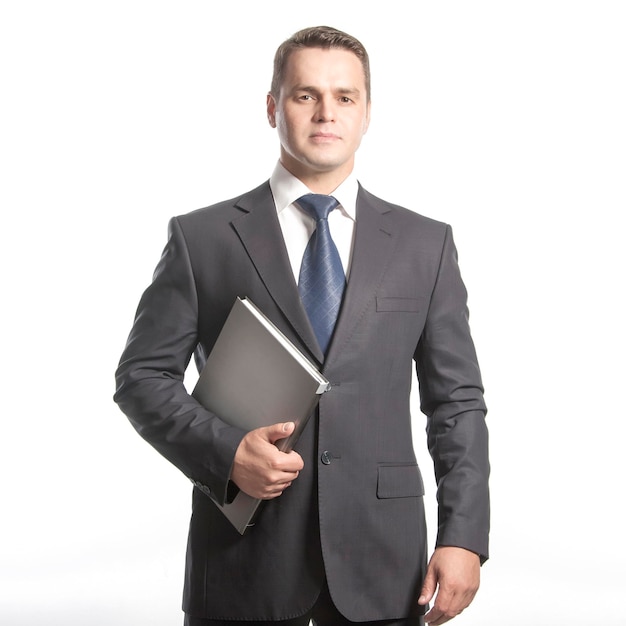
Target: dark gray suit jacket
point(355, 514)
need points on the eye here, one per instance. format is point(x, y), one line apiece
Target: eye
point(345, 100)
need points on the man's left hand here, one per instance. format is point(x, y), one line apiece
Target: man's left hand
point(456, 572)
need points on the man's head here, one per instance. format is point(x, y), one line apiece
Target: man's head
point(320, 105)
point(318, 37)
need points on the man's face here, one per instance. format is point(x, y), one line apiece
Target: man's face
point(322, 112)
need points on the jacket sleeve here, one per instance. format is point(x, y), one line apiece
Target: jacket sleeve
point(149, 378)
point(451, 394)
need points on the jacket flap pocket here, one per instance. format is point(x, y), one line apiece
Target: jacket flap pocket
point(410, 305)
point(400, 481)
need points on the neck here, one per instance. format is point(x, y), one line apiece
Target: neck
point(319, 182)
point(322, 185)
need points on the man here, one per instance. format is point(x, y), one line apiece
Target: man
point(342, 538)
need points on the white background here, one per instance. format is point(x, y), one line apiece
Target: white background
point(504, 118)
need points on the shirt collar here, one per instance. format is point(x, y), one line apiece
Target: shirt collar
point(286, 189)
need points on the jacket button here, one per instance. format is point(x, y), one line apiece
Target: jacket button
point(326, 457)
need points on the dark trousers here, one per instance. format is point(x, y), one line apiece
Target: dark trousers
point(323, 613)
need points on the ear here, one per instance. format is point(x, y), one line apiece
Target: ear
point(271, 110)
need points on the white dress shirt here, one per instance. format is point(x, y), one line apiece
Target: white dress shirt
point(298, 226)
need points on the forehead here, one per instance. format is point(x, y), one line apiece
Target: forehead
point(323, 67)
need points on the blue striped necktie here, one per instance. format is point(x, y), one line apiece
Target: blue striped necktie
point(322, 279)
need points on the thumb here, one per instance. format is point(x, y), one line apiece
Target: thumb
point(428, 588)
point(279, 431)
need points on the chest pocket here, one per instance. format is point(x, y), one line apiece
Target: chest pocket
point(407, 305)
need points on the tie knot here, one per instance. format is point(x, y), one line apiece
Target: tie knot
point(317, 205)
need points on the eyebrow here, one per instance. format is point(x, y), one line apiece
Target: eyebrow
point(352, 91)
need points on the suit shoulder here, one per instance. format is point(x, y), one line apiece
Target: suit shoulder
point(224, 210)
point(406, 216)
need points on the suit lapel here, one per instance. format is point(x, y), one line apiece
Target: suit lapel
point(372, 251)
point(260, 233)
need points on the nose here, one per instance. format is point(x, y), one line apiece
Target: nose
point(325, 111)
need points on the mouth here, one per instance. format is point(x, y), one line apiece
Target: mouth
point(324, 137)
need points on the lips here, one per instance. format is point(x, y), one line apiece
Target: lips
point(324, 137)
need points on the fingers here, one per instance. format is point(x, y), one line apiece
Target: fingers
point(259, 468)
point(428, 588)
point(289, 461)
point(279, 431)
point(443, 612)
point(278, 481)
point(447, 607)
point(273, 491)
point(455, 573)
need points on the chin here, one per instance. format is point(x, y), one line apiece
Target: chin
point(328, 164)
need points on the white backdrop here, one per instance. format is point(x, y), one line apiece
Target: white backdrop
point(504, 118)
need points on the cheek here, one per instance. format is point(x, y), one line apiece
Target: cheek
point(364, 124)
point(282, 128)
point(287, 130)
point(358, 130)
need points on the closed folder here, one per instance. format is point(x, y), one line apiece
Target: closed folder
point(253, 377)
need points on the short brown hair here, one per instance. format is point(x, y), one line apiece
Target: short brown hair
point(318, 37)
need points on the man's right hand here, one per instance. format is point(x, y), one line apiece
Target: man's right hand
point(260, 469)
